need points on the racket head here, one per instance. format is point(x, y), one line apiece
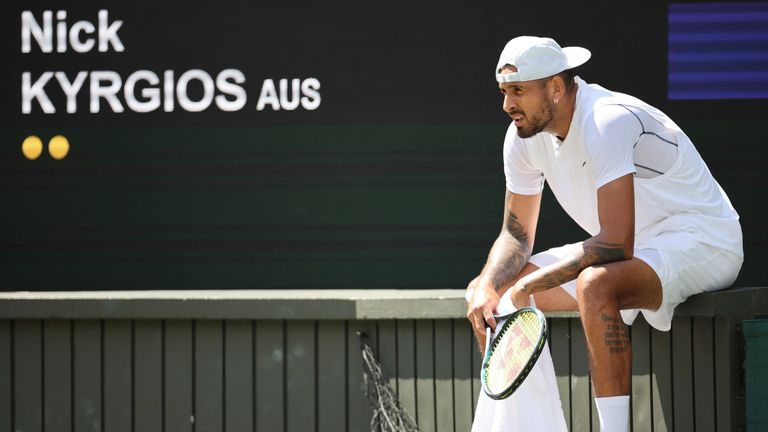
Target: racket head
point(513, 351)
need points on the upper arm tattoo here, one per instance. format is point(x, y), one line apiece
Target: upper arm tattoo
point(516, 229)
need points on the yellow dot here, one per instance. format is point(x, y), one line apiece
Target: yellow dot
point(58, 147)
point(32, 147)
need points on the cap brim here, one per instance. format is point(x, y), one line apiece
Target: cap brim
point(576, 56)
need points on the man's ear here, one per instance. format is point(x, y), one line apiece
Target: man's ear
point(557, 88)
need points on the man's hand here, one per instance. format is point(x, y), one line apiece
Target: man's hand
point(482, 300)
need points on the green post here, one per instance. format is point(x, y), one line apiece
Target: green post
point(756, 365)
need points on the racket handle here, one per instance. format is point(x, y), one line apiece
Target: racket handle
point(489, 331)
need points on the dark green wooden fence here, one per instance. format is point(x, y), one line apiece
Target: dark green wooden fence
point(290, 360)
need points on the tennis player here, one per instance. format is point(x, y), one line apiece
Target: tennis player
point(660, 227)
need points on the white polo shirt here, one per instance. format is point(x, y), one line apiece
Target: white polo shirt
point(611, 135)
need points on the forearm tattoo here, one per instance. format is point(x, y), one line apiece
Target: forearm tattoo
point(616, 336)
point(515, 255)
point(592, 252)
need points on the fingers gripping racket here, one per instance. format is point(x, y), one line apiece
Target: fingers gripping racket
point(511, 351)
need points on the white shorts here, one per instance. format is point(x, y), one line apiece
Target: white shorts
point(684, 266)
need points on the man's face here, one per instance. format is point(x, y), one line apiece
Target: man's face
point(528, 105)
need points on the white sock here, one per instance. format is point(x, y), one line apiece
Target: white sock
point(614, 413)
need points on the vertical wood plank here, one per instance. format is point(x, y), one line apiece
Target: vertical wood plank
point(147, 375)
point(387, 351)
point(209, 375)
point(581, 400)
point(359, 411)
point(425, 375)
point(703, 374)
point(178, 376)
point(463, 398)
point(406, 365)
point(270, 373)
point(641, 376)
point(444, 375)
point(726, 371)
point(477, 361)
point(300, 378)
point(594, 416)
point(86, 382)
point(331, 376)
point(238, 372)
point(6, 376)
point(118, 376)
point(682, 374)
point(661, 366)
point(57, 391)
point(28, 397)
point(560, 346)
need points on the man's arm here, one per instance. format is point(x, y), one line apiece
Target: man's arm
point(614, 242)
point(509, 254)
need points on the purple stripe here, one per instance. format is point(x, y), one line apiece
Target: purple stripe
point(718, 17)
point(713, 46)
point(718, 94)
point(717, 56)
point(718, 67)
point(757, 76)
point(718, 37)
point(705, 86)
point(722, 27)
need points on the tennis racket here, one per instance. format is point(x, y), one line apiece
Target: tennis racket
point(512, 351)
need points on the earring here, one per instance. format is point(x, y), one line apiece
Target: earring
point(556, 99)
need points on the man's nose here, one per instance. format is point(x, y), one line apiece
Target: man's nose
point(509, 103)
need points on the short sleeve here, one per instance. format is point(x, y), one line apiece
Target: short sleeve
point(521, 175)
point(609, 139)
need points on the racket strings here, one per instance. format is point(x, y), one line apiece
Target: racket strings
point(511, 351)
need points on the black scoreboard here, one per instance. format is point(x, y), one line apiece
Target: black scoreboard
point(336, 144)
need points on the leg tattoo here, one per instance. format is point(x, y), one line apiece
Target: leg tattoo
point(616, 335)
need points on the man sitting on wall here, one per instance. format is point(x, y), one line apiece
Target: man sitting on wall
point(661, 227)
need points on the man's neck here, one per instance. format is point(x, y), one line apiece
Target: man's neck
point(564, 110)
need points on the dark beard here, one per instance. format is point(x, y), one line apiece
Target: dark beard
point(531, 131)
point(538, 123)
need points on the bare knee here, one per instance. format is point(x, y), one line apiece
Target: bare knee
point(595, 290)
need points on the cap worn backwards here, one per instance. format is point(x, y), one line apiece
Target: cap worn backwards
point(536, 58)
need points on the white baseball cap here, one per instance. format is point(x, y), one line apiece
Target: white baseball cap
point(536, 58)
